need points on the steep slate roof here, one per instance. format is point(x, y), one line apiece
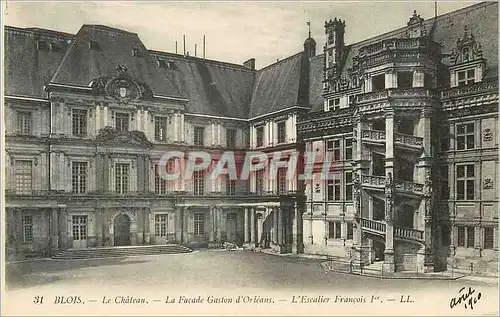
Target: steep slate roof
point(81, 65)
point(27, 69)
point(481, 20)
point(277, 86)
point(213, 88)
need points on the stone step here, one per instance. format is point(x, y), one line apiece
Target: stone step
point(107, 252)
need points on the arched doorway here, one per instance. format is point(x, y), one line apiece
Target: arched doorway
point(121, 230)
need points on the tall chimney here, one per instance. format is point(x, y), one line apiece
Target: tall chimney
point(250, 64)
point(175, 47)
point(203, 46)
point(184, 40)
point(195, 46)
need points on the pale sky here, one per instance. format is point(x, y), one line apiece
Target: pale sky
point(235, 31)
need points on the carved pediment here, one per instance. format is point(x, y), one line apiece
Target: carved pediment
point(121, 87)
point(109, 135)
point(416, 26)
point(468, 49)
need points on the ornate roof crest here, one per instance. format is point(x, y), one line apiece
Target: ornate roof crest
point(110, 135)
point(467, 49)
point(122, 87)
point(416, 26)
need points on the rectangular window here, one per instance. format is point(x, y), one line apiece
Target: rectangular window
point(461, 236)
point(161, 225)
point(24, 122)
point(199, 224)
point(348, 149)
point(471, 234)
point(23, 176)
point(230, 187)
point(79, 227)
point(282, 132)
point(334, 104)
point(465, 136)
point(160, 183)
point(260, 136)
point(160, 128)
point(333, 149)
point(348, 186)
point(405, 79)
point(350, 231)
point(259, 182)
point(333, 191)
point(488, 238)
point(334, 231)
point(282, 182)
point(27, 229)
point(121, 121)
point(199, 135)
point(378, 82)
point(122, 178)
point(231, 138)
point(466, 77)
point(79, 177)
point(79, 121)
point(465, 182)
point(199, 183)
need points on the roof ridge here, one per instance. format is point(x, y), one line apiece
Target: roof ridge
point(35, 30)
point(196, 58)
point(280, 61)
point(439, 17)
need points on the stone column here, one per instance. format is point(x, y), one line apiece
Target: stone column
point(246, 227)
point(219, 225)
point(178, 224)
point(389, 263)
point(211, 225)
point(54, 223)
point(252, 226)
point(298, 237)
point(275, 225)
point(280, 225)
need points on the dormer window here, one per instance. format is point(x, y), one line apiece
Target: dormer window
point(466, 77)
point(54, 47)
point(136, 52)
point(93, 45)
point(42, 46)
point(334, 104)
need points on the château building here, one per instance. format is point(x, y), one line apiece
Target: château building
point(409, 119)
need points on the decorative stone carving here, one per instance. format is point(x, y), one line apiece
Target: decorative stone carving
point(122, 87)
point(467, 49)
point(389, 196)
point(416, 26)
point(487, 135)
point(110, 135)
point(488, 183)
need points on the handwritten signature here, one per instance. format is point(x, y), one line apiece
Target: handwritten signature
point(465, 297)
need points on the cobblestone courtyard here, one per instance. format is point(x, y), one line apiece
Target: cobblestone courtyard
point(202, 270)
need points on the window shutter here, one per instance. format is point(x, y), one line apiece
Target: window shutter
point(190, 222)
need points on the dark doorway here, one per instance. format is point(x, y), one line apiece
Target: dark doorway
point(122, 230)
point(379, 249)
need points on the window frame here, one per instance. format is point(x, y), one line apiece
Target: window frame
point(199, 135)
point(27, 229)
point(466, 181)
point(333, 191)
point(20, 176)
point(122, 120)
point(198, 183)
point(79, 128)
point(199, 224)
point(230, 138)
point(122, 179)
point(161, 224)
point(465, 136)
point(281, 181)
point(160, 183)
point(281, 131)
point(348, 185)
point(259, 136)
point(467, 78)
point(24, 122)
point(336, 233)
point(488, 246)
point(79, 177)
point(334, 146)
point(349, 143)
point(161, 128)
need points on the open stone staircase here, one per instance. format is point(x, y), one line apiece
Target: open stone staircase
point(112, 252)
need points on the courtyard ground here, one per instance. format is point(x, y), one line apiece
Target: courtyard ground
point(215, 272)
